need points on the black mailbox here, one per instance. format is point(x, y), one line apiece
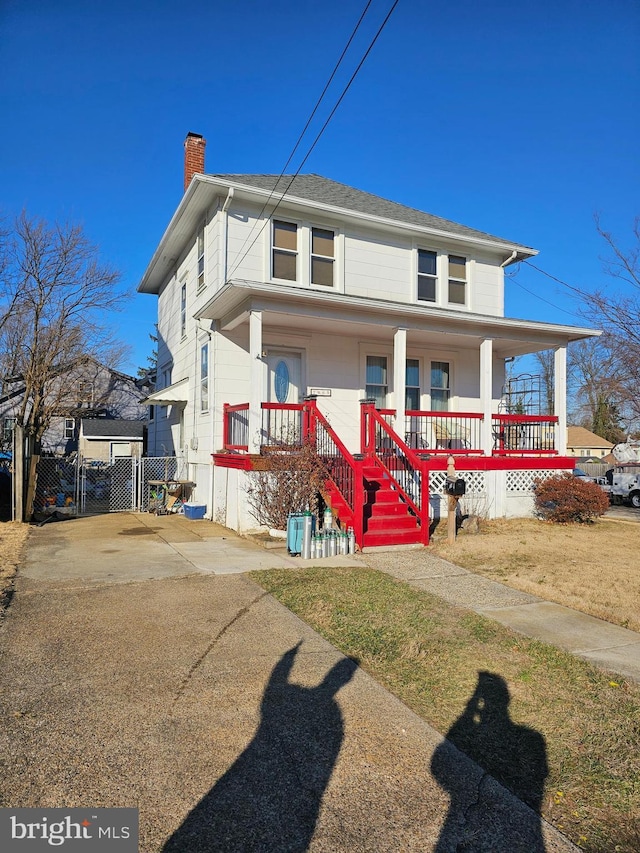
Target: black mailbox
point(457, 488)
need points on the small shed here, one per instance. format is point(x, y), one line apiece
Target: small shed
point(106, 440)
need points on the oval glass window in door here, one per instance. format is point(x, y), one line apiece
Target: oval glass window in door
point(281, 382)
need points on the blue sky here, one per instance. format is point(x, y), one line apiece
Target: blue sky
point(520, 119)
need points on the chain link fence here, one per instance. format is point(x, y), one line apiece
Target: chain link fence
point(75, 486)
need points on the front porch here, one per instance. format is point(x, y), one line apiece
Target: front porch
point(391, 489)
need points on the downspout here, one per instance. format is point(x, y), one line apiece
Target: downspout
point(510, 259)
point(225, 236)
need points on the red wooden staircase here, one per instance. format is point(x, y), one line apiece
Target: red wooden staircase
point(387, 517)
point(383, 493)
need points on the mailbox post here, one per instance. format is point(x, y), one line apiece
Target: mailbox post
point(456, 487)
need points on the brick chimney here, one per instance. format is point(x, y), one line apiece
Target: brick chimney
point(194, 146)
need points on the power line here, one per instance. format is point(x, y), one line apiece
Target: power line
point(553, 278)
point(324, 126)
point(299, 140)
point(546, 301)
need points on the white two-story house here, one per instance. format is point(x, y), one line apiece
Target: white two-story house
point(273, 291)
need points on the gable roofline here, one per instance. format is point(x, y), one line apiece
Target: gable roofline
point(321, 195)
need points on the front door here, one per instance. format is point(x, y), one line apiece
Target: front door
point(282, 425)
point(285, 376)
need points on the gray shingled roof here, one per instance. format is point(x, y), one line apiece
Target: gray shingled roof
point(104, 427)
point(318, 189)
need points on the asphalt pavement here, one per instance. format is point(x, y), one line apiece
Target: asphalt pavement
point(143, 668)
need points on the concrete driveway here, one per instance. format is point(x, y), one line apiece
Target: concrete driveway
point(138, 673)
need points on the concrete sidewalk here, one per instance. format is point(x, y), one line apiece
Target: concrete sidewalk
point(136, 676)
point(603, 644)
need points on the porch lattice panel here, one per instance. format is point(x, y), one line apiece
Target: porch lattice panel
point(475, 480)
point(521, 482)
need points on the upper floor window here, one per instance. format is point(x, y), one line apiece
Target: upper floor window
point(376, 380)
point(183, 310)
point(69, 428)
point(440, 386)
point(427, 276)
point(204, 377)
point(322, 256)
point(201, 258)
point(457, 280)
point(285, 250)
point(8, 426)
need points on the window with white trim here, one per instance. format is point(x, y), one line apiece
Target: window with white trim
point(440, 386)
point(457, 280)
point(183, 310)
point(322, 256)
point(204, 377)
point(412, 385)
point(427, 276)
point(69, 428)
point(165, 381)
point(377, 380)
point(284, 262)
point(200, 259)
point(8, 427)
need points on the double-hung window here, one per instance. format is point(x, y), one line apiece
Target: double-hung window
point(412, 385)
point(200, 259)
point(440, 386)
point(69, 428)
point(322, 256)
point(183, 310)
point(8, 426)
point(457, 280)
point(204, 377)
point(427, 276)
point(376, 380)
point(285, 250)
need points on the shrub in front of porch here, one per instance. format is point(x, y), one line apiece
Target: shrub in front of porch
point(291, 481)
point(564, 498)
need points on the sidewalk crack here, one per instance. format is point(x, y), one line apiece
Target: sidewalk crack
point(185, 681)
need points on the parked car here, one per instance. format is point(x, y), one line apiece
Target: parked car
point(578, 472)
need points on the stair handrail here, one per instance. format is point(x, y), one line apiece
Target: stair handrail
point(347, 475)
point(393, 447)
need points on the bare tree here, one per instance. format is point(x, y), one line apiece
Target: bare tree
point(598, 395)
point(56, 292)
point(618, 313)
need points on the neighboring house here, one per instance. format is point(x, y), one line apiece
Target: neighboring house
point(338, 293)
point(104, 440)
point(84, 390)
point(584, 444)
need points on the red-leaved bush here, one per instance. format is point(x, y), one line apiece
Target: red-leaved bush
point(564, 498)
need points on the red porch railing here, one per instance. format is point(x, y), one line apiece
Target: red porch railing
point(426, 433)
point(407, 471)
point(235, 427)
point(344, 471)
point(444, 432)
point(522, 435)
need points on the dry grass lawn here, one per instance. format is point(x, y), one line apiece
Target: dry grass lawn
point(12, 540)
point(594, 568)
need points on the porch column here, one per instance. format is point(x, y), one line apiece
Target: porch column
point(560, 398)
point(399, 378)
point(486, 395)
point(256, 378)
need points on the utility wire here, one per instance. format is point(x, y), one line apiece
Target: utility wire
point(314, 111)
point(553, 278)
point(322, 129)
point(546, 301)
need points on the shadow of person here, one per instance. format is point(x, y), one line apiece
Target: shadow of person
point(513, 755)
point(270, 798)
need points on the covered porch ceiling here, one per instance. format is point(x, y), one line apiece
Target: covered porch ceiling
point(304, 311)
